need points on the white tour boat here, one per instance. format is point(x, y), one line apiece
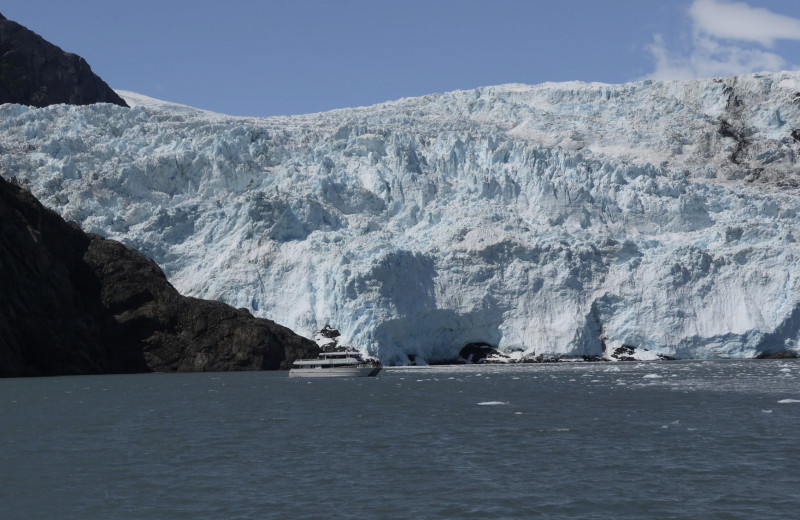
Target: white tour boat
point(334, 364)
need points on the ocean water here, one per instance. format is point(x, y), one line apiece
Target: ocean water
point(700, 439)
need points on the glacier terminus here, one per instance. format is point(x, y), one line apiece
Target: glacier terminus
point(561, 219)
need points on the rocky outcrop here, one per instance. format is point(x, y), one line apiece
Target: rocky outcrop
point(38, 73)
point(73, 303)
point(783, 354)
point(477, 352)
point(631, 353)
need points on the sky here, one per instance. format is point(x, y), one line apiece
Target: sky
point(276, 57)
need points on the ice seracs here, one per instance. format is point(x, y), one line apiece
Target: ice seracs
point(559, 219)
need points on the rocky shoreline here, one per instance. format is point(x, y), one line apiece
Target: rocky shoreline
point(482, 353)
point(485, 354)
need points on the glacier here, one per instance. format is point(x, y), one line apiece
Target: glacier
point(563, 219)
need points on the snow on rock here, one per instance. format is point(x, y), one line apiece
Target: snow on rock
point(135, 100)
point(553, 220)
point(629, 353)
point(326, 339)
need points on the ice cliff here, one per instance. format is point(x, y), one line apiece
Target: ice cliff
point(558, 219)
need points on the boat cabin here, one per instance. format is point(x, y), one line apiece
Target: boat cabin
point(331, 360)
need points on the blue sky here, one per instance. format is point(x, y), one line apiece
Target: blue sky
point(263, 58)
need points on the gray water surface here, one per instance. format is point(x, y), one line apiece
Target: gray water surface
point(702, 439)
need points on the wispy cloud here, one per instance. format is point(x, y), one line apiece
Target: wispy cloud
point(739, 21)
point(728, 38)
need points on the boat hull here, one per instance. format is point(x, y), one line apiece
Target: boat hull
point(335, 372)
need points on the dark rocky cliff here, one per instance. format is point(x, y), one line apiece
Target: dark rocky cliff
point(72, 303)
point(35, 72)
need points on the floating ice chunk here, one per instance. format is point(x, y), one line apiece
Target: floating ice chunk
point(652, 376)
point(767, 411)
point(491, 403)
point(786, 401)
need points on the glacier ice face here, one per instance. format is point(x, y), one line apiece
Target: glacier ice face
point(555, 219)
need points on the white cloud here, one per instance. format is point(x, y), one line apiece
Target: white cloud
point(739, 21)
point(727, 39)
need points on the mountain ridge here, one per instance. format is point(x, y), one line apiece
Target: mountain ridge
point(35, 72)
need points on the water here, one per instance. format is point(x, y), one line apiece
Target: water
point(589, 440)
